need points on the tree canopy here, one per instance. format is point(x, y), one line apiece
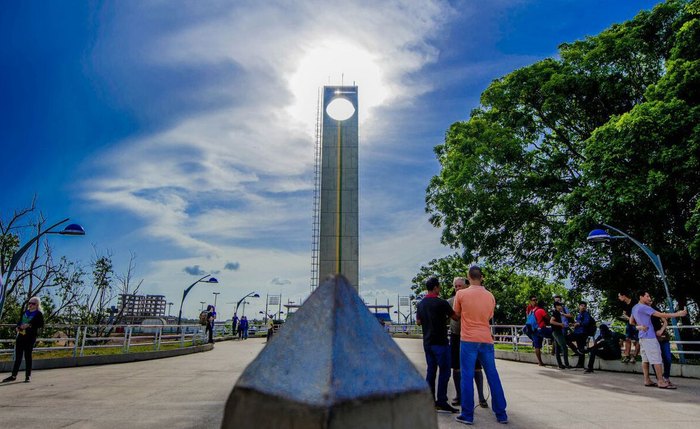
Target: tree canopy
point(607, 132)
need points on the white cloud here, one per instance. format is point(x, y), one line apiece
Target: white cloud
point(224, 180)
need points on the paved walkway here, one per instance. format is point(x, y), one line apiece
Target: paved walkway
point(190, 392)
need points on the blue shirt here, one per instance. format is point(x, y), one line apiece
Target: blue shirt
point(642, 316)
point(583, 319)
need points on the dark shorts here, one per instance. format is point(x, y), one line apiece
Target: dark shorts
point(539, 337)
point(631, 333)
point(454, 353)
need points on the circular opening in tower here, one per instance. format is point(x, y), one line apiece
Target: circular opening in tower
point(340, 109)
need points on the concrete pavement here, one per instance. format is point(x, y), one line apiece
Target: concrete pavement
point(190, 392)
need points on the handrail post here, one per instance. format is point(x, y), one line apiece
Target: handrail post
point(158, 334)
point(182, 337)
point(76, 341)
point(82, 344)
point(128, 339)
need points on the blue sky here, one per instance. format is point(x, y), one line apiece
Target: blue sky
point(183, 131)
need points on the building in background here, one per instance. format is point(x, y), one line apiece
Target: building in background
point(138, 307)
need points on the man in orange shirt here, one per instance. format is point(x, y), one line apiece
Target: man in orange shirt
point(475, 306)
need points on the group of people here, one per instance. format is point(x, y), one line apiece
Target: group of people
point(240, 327)
point(645, 329)
point(468, 350)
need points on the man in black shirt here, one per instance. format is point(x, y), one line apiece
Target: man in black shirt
point(432, 314)
point(631, 334)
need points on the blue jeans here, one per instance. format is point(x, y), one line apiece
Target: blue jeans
point(438, 357)
point(470, 352)
point(666, 356)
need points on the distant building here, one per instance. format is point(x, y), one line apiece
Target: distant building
point(138, 307)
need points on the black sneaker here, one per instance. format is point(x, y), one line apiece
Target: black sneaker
point(10, 378)
point(588, 371)
point(446, 408)
point(483, 404)
point(27, 379)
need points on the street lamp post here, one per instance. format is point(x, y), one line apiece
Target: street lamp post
point(202, 307)
point(170, 306)
point(216, 295)
point(602, 236)
point(184, 295)
point(405, 316)
point(251, 294)
point(73, 230)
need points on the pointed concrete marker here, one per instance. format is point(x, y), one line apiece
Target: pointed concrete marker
point(332, 366)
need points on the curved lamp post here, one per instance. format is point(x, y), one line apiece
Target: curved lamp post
point(602, 236)
point(184, 295)
point(73, 229)
point(405, 316)
point(252, 295)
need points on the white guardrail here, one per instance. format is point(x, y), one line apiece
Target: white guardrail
point(80, 339)
point(513, 335)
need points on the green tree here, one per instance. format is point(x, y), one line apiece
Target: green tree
point(607, 132)
point(511, 289)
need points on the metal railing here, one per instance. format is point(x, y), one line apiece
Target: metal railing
point(81, 340)
point(513, 335)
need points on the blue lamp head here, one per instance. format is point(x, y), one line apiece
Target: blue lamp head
point(598, 236)
point(257, 295)
point(73, 229)
point(212, 280)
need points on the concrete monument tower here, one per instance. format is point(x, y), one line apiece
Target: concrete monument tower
point(337, 235)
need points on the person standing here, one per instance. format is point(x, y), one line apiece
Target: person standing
point(460, 283)
point(243, 328)
point(581, 330)
point(30, 322)
point(567, 317)
point(651, 351)
point(542, 331)
point(559, 336)
point(432, 314)
point(234, 324)
point(631, 334)
point(660, 328)
point(475, 307)
point(211, 317)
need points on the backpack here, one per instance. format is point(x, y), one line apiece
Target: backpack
point(203, 318)
point(531, 322)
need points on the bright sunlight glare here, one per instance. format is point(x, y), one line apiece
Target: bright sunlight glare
point(329, 63)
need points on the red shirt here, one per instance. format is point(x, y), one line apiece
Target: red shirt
point(541, 317)
point(529, 308)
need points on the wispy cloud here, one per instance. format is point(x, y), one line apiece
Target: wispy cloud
point(232, 266)
point(280, 282)
point(194, 270)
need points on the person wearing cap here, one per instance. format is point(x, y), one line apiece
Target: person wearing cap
point(556, 321)
point(566, 318)
point(30, 322)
